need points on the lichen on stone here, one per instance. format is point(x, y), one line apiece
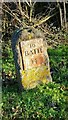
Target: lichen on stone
point(34, 76)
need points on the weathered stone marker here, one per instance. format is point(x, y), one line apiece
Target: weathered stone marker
point(33, 53)
point(31, 58)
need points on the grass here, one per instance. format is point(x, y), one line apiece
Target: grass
point(45, 102)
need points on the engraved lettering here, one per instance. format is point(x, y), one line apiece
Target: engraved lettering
point(34, 51)
point(32, 45)
point(34, 61)
point(41, 50)
point(26, 53)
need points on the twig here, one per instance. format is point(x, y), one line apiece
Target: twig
point(34, 2)
point(20, 8)
point(31, 9)
point(12, 14)
point(27, 3)
point(44, 20)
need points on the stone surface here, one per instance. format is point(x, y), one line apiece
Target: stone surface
point(33, 53)
point(31, 58)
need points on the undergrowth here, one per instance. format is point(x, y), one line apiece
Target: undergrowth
point(46, 101)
